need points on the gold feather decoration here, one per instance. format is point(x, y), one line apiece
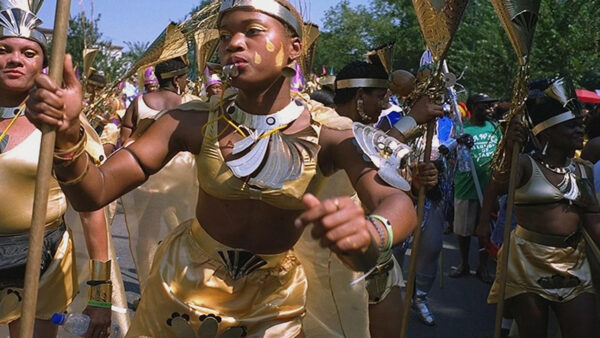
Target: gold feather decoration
point(383, 56)
point(309, 45)
point(519, 18)
point(439, 21)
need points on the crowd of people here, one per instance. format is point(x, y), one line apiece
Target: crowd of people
point(260, 207)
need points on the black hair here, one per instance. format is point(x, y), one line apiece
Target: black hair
point(592, 124)
point(98, 78)
point(357, 70)
point(168, 66)
point(324, 96)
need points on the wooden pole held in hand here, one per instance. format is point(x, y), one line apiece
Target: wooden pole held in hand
point(412, 269)
point(512, 185)
point(42, 184)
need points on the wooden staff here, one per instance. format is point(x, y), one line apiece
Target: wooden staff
point(512, 184)
point(410, 284)
point(42, 183)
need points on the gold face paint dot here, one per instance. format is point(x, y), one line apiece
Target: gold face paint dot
point(257, 58)
point(270, 46)
point(279, 57)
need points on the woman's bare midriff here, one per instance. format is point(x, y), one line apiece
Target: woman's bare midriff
point(248, 224)
point(552, 219)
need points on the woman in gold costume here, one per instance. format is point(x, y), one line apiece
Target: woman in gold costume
point(360, 94)
point(554, 202)
point(22, 57)
point(230, 270)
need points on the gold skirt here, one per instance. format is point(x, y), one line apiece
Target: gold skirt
point(57, 288)
point(557, 274)
point(199, 287)
point(381, 281)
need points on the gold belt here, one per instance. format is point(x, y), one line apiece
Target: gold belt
point(557, 241)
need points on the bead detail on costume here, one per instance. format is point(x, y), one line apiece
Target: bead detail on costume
point(241, 263)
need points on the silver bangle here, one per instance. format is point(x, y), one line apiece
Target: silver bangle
point(407, 126)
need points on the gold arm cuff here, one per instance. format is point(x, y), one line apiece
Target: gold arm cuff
point(79, 178)
point(100, 293)
point(408, 127)
point(99, 271)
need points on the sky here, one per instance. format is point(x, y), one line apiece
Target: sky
point(144, 20)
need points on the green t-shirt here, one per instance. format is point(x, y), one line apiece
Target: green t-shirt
point(487, 138)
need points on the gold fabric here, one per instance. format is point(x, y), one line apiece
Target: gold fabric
point(190, 282)
point(57, 288)
point(218, 180)
point(110, 134)
point(531, 264)
point(18, 168)
point(334, 307)
point(158, 206)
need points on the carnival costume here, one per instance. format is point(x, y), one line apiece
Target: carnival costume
point(58, 278)
point(553, 267)
point(163, 202)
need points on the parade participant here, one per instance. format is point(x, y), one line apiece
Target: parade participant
point(23, 54)
point(213, 85)
point(361, 93)
point(486, 136)
point(150, 80)
point(172, 81)
point(231, 266)
point(548, 267)
point(169, 197)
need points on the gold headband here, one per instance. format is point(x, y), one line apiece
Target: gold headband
point(362, 83)
point(270, 7)
point(174, 73)
point(560, 118)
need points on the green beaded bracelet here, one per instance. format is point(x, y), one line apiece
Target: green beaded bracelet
point(388, 227)
point(99, 304)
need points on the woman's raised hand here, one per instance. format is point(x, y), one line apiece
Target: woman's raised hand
point(49, 104)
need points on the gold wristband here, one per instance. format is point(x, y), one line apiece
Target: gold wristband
point(78, 178)
point(99, 271)
point(408, 127)
point(67, 156)
point(100, 293)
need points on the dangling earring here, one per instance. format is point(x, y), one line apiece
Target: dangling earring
point(178, 88)
point(290, 69)
point(545, 149)
point(360, 109)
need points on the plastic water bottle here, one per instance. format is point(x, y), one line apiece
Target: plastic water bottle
point(464, 159)
point(77, 324)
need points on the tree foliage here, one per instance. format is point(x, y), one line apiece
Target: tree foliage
point(84, 32)
point(566, 41)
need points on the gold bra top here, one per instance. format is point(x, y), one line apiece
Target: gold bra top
point(538, 190)
point(18, 168)
point(216, 179)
